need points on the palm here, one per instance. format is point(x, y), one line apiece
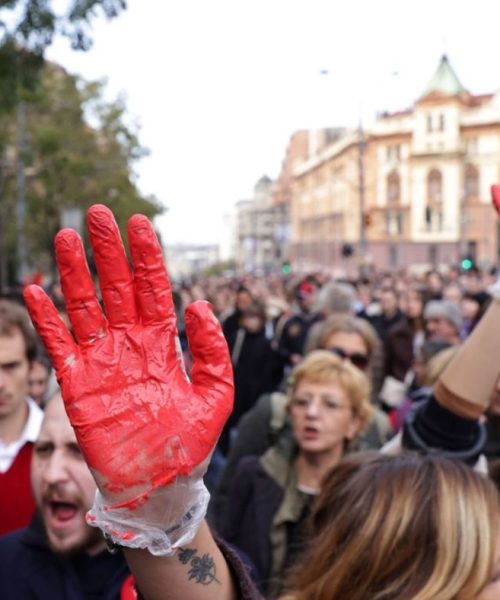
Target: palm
point(140, 422)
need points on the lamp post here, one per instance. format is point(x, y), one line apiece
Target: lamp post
point(363, 267)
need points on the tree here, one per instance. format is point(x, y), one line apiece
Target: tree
point(32, 24)
point(80, 150)
point(27, 28)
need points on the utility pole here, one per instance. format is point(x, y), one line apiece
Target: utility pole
point(363, 267)
point(3, 218)
point(22, 254)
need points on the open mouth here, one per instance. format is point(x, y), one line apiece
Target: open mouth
point(310, 432)
point(62, 512)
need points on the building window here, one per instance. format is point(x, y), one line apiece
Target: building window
point(441, 122)
point(393, 188)
point(394, 222)
point(471, 146)
point(393, 153)
point(428, 217)
point(400, 224)
point(471, 182)
point(434, 187)
point(433, 218)
point(429, 123)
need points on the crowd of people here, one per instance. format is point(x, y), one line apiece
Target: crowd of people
point(347, 432)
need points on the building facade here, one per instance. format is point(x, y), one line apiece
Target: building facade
point(262, 230)
point(412, 191)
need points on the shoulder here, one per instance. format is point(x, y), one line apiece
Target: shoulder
point(15, 556)
point(249, 465)
point(11, 540)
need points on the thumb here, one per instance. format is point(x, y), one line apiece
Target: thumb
point(212, 373)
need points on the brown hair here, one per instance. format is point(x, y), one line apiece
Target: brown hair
point(321, 366)
point(409, 527)
point(348, 324)
point(14, 317)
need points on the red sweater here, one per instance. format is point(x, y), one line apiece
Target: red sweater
point(16, 498)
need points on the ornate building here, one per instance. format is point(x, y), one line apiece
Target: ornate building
point(413, 190)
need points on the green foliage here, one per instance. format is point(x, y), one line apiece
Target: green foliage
point(28, 27)
point(33, 24)
point(68, 162)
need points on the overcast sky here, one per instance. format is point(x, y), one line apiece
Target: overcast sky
point(219, 85)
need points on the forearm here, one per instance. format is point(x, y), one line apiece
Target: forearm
point(197, 571)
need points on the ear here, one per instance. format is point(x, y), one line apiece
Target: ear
point(353, 427)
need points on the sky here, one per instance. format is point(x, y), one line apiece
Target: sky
point(219, 86)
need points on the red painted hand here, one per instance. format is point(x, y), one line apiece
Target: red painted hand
point(140, 422)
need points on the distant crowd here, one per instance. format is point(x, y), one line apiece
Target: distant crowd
point(323, 370)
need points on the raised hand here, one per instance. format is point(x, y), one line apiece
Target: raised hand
point(140, 422)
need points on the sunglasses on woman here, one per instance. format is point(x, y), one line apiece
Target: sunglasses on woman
point(358, 359)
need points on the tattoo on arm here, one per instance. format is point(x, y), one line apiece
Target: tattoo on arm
point(201, 568)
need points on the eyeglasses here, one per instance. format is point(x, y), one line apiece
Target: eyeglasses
point(358, 359)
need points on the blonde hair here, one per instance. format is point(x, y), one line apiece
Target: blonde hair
point(321, 366)
point(412, 527)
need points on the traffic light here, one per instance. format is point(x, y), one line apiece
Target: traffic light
point(286, 268)
point(466, 263)
point(347, 250)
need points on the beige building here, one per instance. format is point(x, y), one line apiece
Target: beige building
point(412, 191)
point(262, 230)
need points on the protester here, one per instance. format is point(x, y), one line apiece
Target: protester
point(255, 367)
point(231, 321)
point(334, 298)
point(147, 432)
point(492, 446)
point(390, 313)
point(58, 556)
point(443, 321)
point(450, 420)
point(328, 403)
point(294, 333)
point(408, 527)
point(351, 338)
point(405, 338)
point(20, 417)
point(39, 378)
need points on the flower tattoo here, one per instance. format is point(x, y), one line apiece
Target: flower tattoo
point(202, 568)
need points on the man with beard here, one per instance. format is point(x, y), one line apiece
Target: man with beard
point(58, 556)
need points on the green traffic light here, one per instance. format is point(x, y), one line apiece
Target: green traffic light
point(466, 264)
point(286, 269)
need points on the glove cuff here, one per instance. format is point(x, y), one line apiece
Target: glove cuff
point(166, 518)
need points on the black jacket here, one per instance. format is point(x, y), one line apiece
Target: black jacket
point(29, 570)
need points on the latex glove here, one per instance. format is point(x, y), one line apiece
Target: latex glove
point(145, 430)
